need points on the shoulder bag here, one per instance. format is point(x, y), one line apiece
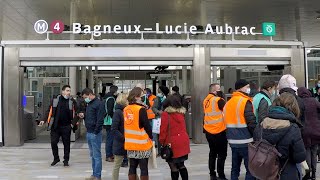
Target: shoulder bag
point(166, 150)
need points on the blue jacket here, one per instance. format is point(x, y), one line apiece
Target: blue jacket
point(95, 113)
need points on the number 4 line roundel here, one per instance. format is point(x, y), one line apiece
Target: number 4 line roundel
point(57, 27)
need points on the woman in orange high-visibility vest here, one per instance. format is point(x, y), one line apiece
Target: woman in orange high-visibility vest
point(138, 135)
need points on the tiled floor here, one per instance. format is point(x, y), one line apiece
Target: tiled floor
point(32, 161)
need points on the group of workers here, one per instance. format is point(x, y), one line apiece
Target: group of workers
point(282, 114)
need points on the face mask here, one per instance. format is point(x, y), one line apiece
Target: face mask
point(319, 85)
point(248, 91)
point(160, 95)
point(273, 93)
point(87, 100)
point(66, 97)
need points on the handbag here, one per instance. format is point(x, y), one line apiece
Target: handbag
point(166, 151)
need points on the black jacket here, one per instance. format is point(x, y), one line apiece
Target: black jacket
point(58, 111)
point(117, 129)
point(281, 128)
point(95, 113)
point(110, 104)
point(143, 121)
point(249, 116)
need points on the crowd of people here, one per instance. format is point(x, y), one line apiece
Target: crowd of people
point(279, 112)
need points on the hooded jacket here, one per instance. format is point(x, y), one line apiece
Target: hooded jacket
point(177, 133)
point(281, 128)
point(311, 129)
point(117, 129)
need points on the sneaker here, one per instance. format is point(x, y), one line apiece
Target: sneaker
point(124, 164)
point(55, 162)
point(65, 163)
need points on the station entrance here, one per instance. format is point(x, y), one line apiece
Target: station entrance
point(196, 66)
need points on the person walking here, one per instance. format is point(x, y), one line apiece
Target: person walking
point(109, 99)
point(94, 121)
point(173, 131)
point(281, 128)
point(117, 129)
point(262, 100)
point(310, 130)
point(137, 134)
point(215, 130)
point(241, 122)
point(60, 115)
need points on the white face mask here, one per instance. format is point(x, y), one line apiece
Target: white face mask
point(66, 97)
point(248, 91)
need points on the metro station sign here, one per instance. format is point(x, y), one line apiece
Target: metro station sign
point(57, 27)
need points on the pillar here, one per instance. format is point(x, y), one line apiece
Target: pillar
point(96, 88)
point(12, 98)
point(297, 64)
point(230, 77)
point(83, 77)
point(178, 79)
point(214, 75)
point(184, 79)
point(201, 72)
point(90, 76)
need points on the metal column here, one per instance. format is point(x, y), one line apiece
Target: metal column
point(214, 74)
point(201, 80)
point(297, 68)
point(83, 77)
point(178, 79)
point(12, 97)
point(90, 78)
point(184, 79)
point(96, 88)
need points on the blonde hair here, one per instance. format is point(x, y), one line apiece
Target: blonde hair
point(122, 99)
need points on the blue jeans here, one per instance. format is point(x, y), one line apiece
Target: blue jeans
point(94, 142)
point(237, 155)
point(109, 142)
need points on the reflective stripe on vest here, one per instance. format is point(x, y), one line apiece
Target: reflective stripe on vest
point(242, 141)
point(213, 119)
point(135, 132)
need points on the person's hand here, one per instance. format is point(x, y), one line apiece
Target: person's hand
point(160, 112)
point(81, 115)
point(41, 123)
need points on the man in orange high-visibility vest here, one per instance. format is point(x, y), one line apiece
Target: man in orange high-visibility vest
point(241, 122)
point(215, 129)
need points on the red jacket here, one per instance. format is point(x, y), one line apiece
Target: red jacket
point(179, 138)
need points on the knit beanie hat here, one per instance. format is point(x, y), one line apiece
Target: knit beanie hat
point(287, 81)
point(240, 84)
point(164, 90)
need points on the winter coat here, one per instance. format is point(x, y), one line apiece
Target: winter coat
point(110, 104)
point(281, 129)
point(117, 129)
point(94, 116)
point(158, 106)
point(178, 138)
point(311, 124)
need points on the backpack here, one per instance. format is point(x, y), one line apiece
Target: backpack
point(108, 119)
point(264, 159)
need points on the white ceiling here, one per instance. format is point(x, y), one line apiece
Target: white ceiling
point(18, 16)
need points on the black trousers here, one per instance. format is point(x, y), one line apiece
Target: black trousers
point(218, 145)
point(65, 133)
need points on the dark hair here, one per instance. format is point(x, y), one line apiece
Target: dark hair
point(65, 87)
point(113, 89)
point(175, 88)
point(288, 101)
point(87, 91)
point(173, 101)
point(135, 92)
point(229, 90)
point(268, 84)
point(148, 90)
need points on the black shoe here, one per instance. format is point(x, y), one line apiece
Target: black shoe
point(55, 162)
point(124, 164)
point(222, 178)
point(65, 163)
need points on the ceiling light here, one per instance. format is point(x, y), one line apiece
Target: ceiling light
point(318, 17)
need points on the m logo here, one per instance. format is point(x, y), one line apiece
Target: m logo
point(41, 26)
